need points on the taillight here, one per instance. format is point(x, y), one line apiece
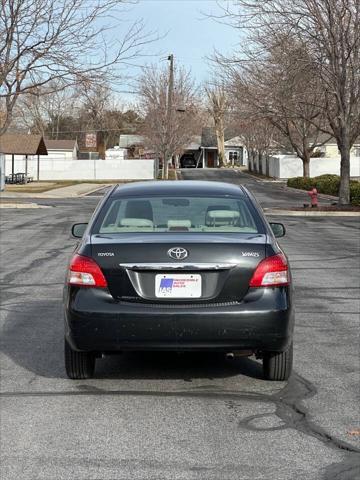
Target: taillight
point(84, 271)
point(271, 272)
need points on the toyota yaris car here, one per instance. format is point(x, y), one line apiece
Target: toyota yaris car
point(182, 266)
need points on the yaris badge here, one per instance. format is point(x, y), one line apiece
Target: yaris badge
point(178, 253)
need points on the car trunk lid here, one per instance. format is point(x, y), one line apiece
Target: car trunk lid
point(221, 265)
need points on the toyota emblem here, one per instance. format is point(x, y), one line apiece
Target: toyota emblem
point(178, 253)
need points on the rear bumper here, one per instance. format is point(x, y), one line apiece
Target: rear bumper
point(95, 322)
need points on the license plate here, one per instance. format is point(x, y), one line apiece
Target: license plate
point(178, 286)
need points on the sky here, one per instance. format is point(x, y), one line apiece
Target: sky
point(186, 32)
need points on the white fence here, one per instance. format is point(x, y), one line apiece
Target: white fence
point(65, 169)
point(288, 166)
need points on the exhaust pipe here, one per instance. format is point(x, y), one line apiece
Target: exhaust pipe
point(230, 356)
point(239, 353)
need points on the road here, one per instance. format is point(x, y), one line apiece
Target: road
point(168, 416)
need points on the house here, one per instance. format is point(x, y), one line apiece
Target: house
point(64, 149)
point(235, 151)
point(234, 148)
point(201, 151)
point(330, 148)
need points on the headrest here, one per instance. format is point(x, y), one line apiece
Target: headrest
point(221, 217)
point(139, 209)
point(215, 214)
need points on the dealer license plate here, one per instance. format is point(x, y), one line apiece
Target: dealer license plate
point(178, 286)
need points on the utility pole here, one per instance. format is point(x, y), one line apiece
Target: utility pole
point(169, 114)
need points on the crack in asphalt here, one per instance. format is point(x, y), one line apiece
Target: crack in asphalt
point(51, 254)
point(288, 402)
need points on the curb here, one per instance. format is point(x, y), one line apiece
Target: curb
point(23, 205)
point(94, 190)
point(320, 195)
point(49, 194)
point(298, 213)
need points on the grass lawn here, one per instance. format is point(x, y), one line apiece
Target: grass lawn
point(36, 187)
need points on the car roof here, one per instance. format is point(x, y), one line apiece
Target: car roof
point(180, 187)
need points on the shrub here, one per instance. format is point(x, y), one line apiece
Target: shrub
point(327, 184)
point(355, 192)
point(327, 176)
point(300, 182)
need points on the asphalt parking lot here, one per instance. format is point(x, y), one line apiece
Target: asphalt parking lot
point(169, 416)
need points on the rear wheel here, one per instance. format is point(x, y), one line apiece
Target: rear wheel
point(278, 365)
point(78, 365)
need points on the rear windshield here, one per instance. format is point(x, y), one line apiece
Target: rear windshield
point(169, 214)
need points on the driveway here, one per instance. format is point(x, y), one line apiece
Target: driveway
point(168, 416)
point(268, 193)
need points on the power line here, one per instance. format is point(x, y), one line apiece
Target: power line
point(92, 130)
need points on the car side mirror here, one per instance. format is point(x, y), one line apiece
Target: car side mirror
point(278, 229)
point(78, 229)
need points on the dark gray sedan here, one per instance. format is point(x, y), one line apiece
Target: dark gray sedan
point(179, 266)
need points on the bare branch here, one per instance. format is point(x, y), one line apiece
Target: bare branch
point(62, 43)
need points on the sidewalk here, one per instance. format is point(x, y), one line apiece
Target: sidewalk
point(78, 190)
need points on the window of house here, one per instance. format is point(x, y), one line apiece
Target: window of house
point(233, 157)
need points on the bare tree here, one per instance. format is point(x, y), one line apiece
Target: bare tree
point(70, 113)
point(330, 32)
point(260, 137)
point(60, 43)
point(218, 106)
point(45, 109)
point(270, 87)
point(167, 139)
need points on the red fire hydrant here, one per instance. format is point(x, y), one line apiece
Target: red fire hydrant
point(314, 197)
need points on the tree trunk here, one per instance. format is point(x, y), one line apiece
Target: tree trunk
point(219, 129)
point(165, 169)
point(344, 191)
point(251, 159)
point(260, 157)
point(306, 167)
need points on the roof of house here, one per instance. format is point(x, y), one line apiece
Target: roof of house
point(22, 144)
point(126, 141)
point(234, 142)
point(195, 143)
point(60, 144)
point(208, 137)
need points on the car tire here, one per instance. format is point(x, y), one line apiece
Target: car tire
point(278, 365)
point(78, 365)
